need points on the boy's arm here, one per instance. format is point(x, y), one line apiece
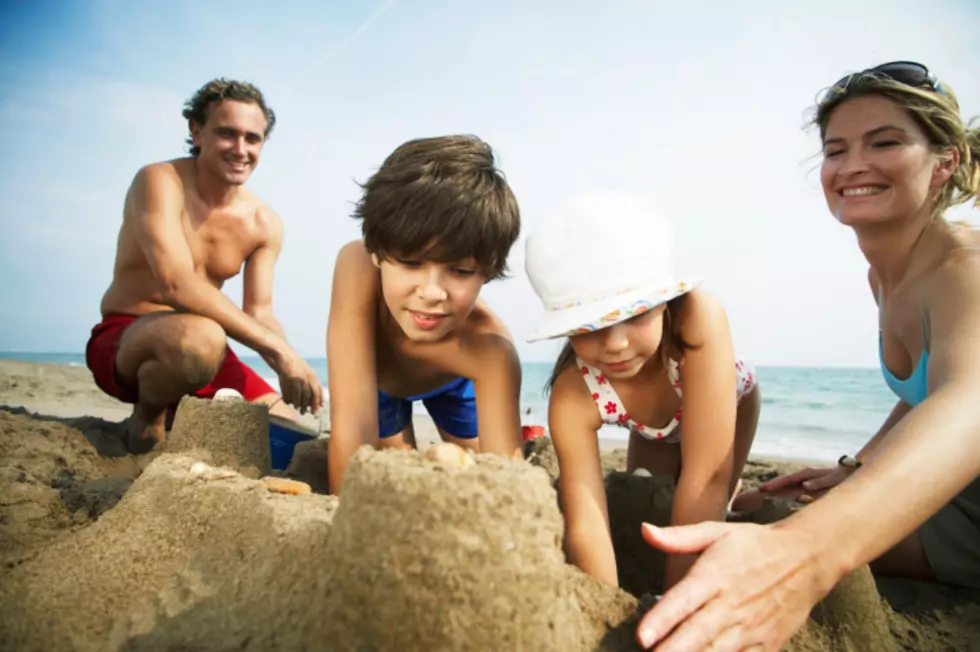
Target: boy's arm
point(709, 408)
point(351, 365)
point(573, 421)
point(496, 374)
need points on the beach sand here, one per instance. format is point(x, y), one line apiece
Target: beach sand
point(185, 548)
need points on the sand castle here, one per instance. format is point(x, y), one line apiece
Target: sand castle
point(230, 433)
point(418, 554)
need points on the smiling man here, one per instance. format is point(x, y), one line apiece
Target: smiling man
point(188, 226)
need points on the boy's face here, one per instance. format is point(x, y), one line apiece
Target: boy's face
point(429, 299)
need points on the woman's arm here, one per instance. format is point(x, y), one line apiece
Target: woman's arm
point(708, 423)
point(815, 482)
point(933, 452)
point(759, 583)
point(574, 421)
point(897, 414)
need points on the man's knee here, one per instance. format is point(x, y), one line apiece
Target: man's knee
point(195, 349)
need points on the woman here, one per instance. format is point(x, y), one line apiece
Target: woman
point(896, 155)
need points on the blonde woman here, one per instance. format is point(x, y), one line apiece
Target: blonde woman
point(896, 156)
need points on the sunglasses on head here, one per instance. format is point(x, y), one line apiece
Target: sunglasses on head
point(909, 73)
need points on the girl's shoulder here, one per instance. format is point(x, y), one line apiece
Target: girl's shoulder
point(699, 317)
point(571, 397)
point(570, 385)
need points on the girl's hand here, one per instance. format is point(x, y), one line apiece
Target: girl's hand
point(751, 588)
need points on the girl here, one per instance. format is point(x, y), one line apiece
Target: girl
point(646, 352)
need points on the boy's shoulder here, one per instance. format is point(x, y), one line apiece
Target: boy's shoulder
point(353, 265)
point(484, 336)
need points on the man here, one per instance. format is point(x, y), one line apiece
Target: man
point(188, 226)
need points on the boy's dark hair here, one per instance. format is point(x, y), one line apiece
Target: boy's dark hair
point(198, 108)
point(442, 199)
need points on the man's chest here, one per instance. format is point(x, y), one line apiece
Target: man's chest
point(220, 245)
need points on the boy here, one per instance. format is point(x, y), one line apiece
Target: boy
point(406, 322)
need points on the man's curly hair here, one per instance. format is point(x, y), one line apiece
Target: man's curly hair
point(198, 108)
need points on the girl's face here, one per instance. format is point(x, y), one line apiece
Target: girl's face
point(878, 165)
point(621, 350)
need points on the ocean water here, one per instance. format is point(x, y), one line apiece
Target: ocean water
point(807, 413)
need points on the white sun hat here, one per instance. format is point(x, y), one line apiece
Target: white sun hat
point(599, 260)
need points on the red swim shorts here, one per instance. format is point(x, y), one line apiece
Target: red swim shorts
point(100, 356)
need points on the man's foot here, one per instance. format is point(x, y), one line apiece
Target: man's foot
point(143, 434)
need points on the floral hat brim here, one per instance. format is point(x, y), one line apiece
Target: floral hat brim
point(578, 318)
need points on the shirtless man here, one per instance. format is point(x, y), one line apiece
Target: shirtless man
point(188, 226)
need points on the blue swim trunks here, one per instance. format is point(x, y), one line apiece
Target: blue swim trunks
point(452, 407)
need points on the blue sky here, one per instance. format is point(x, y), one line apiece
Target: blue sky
point(700, 105)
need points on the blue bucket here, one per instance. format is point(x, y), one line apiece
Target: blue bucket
point(283, 437)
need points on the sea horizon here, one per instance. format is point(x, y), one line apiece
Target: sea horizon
point(808, 413)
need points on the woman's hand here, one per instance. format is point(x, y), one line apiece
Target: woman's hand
point(813, 481)
point(752, 587)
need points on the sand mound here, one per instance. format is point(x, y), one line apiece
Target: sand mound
point(540, 451)
point(492, 575)
point(310, 465)
point(417, 555)
point(633, 500)
point(185, 560)
point(52, 481)
point(231, 433)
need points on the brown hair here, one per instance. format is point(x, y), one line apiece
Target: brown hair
point(936, 113)
point(670, 340)
point(198, 108)
point(442, 198)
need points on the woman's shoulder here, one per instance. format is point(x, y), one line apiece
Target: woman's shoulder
point(956, 276)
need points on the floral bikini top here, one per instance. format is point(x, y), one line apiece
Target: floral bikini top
point(613, 412)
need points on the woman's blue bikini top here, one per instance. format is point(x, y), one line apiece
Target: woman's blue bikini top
point(913, 389)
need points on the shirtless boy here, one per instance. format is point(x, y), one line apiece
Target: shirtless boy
point(406, 321)
point(188, 226)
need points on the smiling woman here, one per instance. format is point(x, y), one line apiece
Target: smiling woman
point(897, 155)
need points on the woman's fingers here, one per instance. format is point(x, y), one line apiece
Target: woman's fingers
point(791, 479)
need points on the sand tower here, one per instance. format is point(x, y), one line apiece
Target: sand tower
point(439, 556)
point(230, 433)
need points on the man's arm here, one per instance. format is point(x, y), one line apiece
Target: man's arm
point(154, 211)
point(259, 274)
point(154, 208)
point(351, 359)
